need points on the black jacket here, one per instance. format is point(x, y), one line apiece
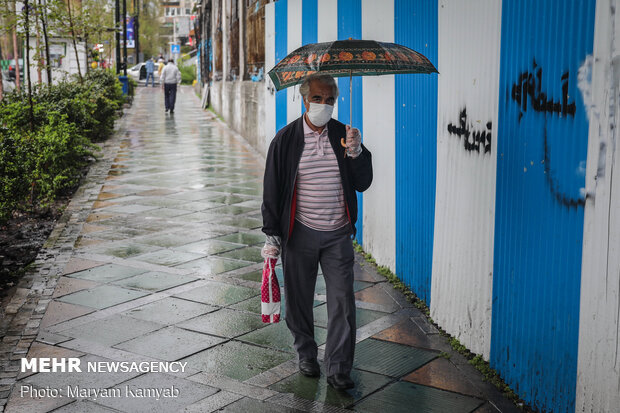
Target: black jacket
point(281, 172)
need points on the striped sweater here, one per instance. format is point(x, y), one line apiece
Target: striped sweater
point(320, 199)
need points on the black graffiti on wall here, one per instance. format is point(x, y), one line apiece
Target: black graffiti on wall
point(473, 140)
point(529, 89)
point(564, 199)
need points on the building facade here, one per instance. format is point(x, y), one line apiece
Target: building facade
point(494, 196)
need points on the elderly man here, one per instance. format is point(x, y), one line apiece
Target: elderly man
point(314, 166)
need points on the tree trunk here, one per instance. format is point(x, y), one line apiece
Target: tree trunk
point(16, 52)
point(39, 55)
point(27, 65)
point(48, 63)
point(77, 57)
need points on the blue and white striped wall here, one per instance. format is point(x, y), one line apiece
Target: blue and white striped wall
point(494, 197)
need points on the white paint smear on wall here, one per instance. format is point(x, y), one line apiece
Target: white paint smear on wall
point(598, 363)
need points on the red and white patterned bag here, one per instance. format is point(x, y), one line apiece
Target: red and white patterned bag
point(270, 292)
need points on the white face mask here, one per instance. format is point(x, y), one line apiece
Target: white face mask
point(319, 114)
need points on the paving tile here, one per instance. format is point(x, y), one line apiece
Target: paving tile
point(401, 396)
point(166, 213)
point(217, 293)
point(318, 389)
point(98, 216)
point(45, 350)
point(224, 323)
point(407, 332)
point(157, 192)
point(228, 199)
point(198, 206)
point(90, 228)
point(246, 254)
point(19, 403)
point(120, 233)
point(131, 209)
point(125, 249)
point(170, 240)
point(362, 316)
point(214, 403)
point(112, 330)
point(237, 360)
point(395, 360)
point(376, 295)
point(170, 344)
point(168, 257)
point(190, 196)
point(232, 210)
point(247, 238)
point(154, 281)
point(67, 285)
point(103, 204)
point(170, 310)
point(104, 196)
point(102, 296)
point(58, 312)
point(84, 406)
point(209, 247)
point(243, 222)
point(279, 337)
point(442, 374)
point(213, 265)
point(188, 393)
point(82, 243)
point(106, 273)
point(197, 217)
point(247, 404)
point(79, 264)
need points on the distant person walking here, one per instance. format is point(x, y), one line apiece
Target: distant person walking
point(150, 69)
point(160, 66)
point(170, 77)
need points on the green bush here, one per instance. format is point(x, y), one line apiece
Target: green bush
point(59, 154)
point(44, 156)
point(14, 172)
point(188, 74)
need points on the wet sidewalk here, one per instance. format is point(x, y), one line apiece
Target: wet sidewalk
point(158, 259)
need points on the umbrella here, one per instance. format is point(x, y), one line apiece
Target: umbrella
point(348, 58)
point(270, 292)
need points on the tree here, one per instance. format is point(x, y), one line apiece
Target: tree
point(151, 43)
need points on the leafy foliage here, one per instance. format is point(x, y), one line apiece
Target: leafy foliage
point(41, 161)
point(188, 74)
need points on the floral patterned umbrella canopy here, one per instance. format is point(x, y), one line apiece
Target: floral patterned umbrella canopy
point(348, 58)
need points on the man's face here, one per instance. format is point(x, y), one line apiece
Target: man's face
point(320, 93)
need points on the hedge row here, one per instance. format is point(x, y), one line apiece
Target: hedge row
point(43, 156)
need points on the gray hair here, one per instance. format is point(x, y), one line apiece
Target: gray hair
point(324, 78)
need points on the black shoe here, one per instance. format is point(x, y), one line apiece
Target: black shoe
point(310, 368)
point(340, 381)
point(171, 110)
point(166, 110)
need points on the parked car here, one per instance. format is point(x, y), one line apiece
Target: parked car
point(138, 73)
point(7, 84)
point(12, 69)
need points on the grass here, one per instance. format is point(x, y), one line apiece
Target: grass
point(489, 374)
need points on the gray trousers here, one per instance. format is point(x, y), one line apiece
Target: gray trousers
point(300, 259)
